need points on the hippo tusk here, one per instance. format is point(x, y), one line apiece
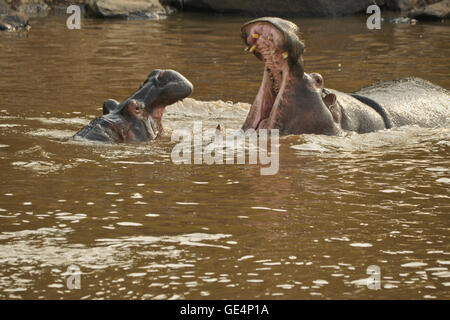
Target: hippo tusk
point(285, 55)
point(255, 36)
point(252, 48)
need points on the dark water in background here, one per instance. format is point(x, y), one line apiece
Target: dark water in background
point(139, 226)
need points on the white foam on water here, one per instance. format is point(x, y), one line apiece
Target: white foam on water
point(135, 162)
point(361, 245)
point(152, 215)
point(129, 224)
point(414, 264)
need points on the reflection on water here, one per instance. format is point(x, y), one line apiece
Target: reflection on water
point(139, 226)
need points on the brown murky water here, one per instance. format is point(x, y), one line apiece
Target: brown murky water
point(139, 226)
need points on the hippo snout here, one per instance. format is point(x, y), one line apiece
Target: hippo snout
point(173, 84)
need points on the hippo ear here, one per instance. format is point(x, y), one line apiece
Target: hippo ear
point(330, 99)
point(110, 106)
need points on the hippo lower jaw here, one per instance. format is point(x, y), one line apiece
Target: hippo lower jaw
point(153, 122)
point(153, 128)
point(268, 105)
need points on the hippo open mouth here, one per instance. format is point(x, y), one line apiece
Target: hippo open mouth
point(275, 42)
point(160, 89)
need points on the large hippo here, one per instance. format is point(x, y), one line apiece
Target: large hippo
point(296, 102)
point(138, 118)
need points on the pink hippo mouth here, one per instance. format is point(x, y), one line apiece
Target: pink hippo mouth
point(275, 42)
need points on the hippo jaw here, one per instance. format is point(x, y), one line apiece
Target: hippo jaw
point(160, 89)
point(288, 99)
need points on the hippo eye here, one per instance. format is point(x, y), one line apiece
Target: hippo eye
point(152, 74)
point(159, 79)
point(319, 81)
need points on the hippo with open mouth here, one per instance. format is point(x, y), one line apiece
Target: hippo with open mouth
point(138, 118)
point(296, 102)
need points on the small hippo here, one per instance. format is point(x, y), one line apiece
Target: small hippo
point(138, 118)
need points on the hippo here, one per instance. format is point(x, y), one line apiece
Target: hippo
point(295, 102)
point(138, 118)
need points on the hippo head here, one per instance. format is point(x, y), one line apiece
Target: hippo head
point(160, 89)
point(288, 99)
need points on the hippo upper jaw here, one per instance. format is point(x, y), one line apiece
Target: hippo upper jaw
point(161, 88)
point(286, 34)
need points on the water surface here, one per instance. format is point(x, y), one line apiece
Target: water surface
point(139, 226)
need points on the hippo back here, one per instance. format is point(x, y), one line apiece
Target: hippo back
point(411, 101)
point(102, 129)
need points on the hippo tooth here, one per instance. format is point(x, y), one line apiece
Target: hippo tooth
point(252, 48)
point(255, 36)
point(285, 55)
point(269, 38)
